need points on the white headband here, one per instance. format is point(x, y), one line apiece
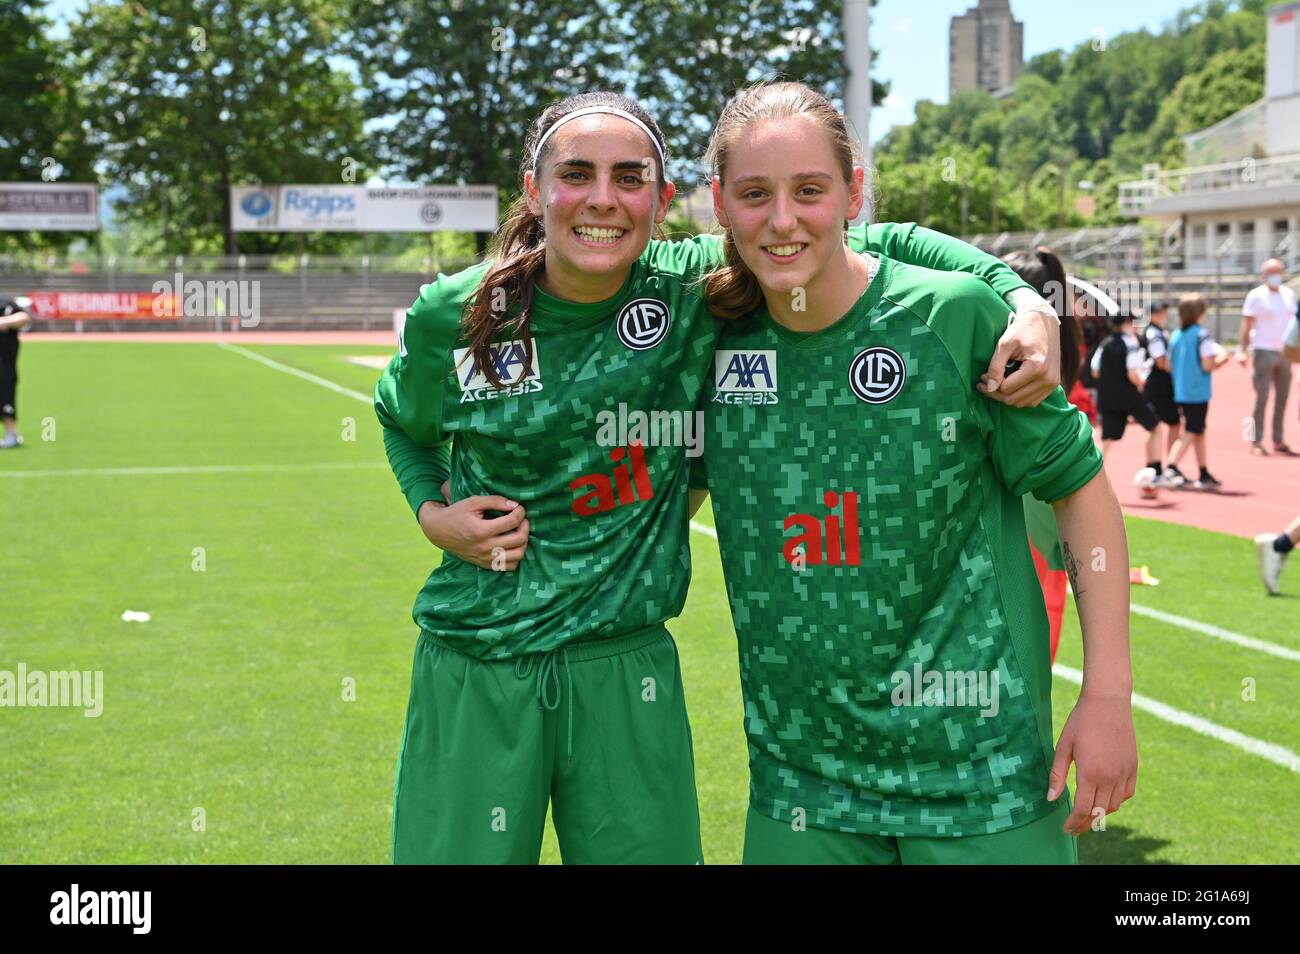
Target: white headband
point(611, 110)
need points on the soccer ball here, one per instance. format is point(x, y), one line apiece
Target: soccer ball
point(1145, 479)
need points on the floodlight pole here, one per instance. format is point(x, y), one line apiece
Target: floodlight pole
point(856, 17)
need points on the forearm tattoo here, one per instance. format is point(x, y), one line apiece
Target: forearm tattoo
point(1072, 568)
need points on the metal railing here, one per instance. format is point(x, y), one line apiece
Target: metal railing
point(1088, 251)
point(1144, 263)
point(1249, 173)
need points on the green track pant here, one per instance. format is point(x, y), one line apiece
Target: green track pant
point(598, 730)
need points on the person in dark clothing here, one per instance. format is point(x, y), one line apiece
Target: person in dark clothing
point(1118, 365)
point(1159, 387)
point(13, 319)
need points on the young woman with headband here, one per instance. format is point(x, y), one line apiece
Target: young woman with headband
point(543, 671)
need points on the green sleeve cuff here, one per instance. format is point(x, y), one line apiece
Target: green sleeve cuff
point(420, 471)
point(421, 492)
point(1003, 279)
point(1074, 475)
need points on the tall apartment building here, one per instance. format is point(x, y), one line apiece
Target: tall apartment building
point(986, 47)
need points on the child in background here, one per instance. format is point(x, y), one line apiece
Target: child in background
point(1117, 366)
point(1159, 389)
point(1194, 355)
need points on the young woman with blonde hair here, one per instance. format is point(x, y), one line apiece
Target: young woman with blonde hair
point(892, 637)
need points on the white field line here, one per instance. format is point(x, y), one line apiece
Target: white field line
point(197, 469)
point(314, 379)
point(1265, 750)
point(1227, 635)
point(221, 468)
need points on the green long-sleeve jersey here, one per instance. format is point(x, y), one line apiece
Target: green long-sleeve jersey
point(892, 636)
point(592, 436)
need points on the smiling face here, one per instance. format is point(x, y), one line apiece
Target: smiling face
point(784, 197)
point(596, 189)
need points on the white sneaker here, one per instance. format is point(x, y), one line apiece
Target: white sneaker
point(1145, 479)
point(1270, 561)
point(11, 440)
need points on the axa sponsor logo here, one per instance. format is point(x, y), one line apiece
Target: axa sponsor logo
point(515, 367)
point(744, 377)
point(628, 484)
point(833, 540)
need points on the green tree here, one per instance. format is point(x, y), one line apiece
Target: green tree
point(716, 50)
point(1100, 111)
point(453, 86)
point(40, 133)
point(951, 191)
point(1031, 138)
point(1228, 82)
point(189, 97)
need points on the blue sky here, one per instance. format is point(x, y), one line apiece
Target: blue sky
point(911, 37)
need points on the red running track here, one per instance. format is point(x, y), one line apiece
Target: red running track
point(1259, 493)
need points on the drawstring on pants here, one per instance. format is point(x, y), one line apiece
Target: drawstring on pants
point(548, 682)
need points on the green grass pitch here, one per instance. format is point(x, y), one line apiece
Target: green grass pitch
point(230, 699)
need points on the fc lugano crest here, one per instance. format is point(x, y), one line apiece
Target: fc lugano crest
point(643, 323)
point(877, 375)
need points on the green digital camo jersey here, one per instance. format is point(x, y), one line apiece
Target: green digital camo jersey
point(608, 552)
point(893, 640)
